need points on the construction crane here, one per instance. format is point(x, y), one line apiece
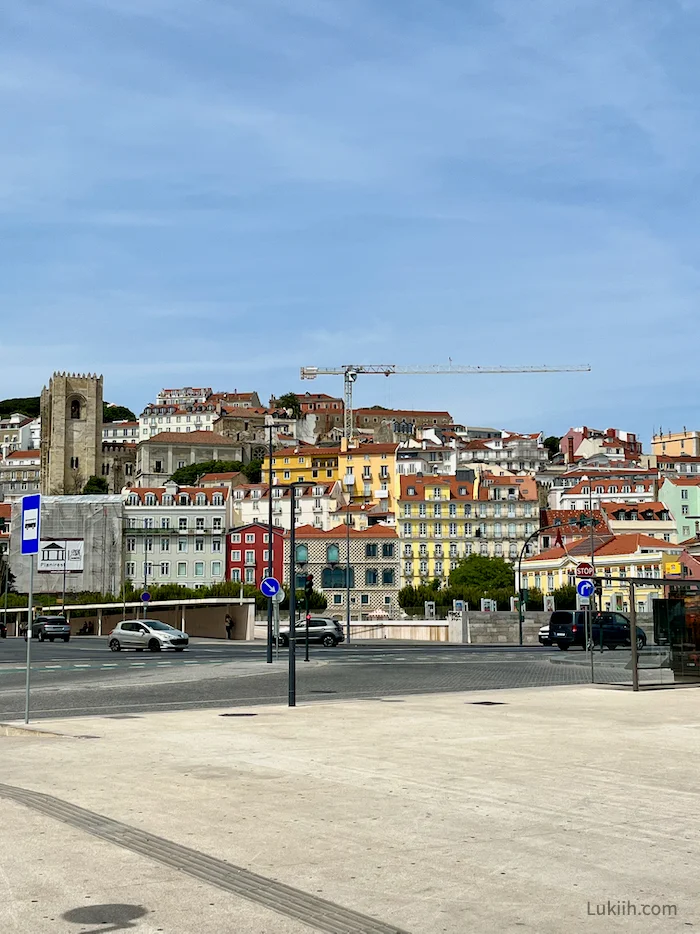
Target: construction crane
point(350, 372)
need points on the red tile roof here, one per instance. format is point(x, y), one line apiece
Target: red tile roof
point(192, 491)
point(218, 477)
point(24, 455)
point(612, 546)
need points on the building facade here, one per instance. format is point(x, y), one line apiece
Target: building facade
point(118, 464)
point(176, 535)
point(71, 432)
point(676, 443)
point(247, 553)
point(16, 433)
point(81, 545)
point(20, 474)
point(622, 556)
point(316, 504)
point(159, 457)
point(681, 496)
point(121, 432)
point(374, 568)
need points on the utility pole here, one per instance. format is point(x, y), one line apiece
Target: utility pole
point(292, 691)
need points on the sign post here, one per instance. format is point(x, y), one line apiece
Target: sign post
point(31, 529)
point(276, 600)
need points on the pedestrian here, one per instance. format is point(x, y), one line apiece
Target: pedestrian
point(229, 627)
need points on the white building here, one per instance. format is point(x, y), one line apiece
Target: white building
point(589, 493)
point(176, 535)
point(17, 433)
point(121, 432)
point(516, 453)
point(316, 504)
point(20, 474)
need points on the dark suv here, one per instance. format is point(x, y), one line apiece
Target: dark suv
point(321, 629)
point(49, 627)
point(568, 627)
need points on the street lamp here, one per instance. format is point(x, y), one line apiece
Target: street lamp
point(349, 483)
point(543, 528)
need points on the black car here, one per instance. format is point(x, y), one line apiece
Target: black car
point(568, 627)
point(322, 630)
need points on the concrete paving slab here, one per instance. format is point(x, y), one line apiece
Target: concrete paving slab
point(430, 814)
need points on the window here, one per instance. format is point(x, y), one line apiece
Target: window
point(497, 509)
point(388, 576)
point(216, 568)
point(165, 569)
point(130, 569)
point(407, 529)
point(467, 529)
point(497, 530)
point(370, 551)
point(371, 576)
point(147, 570)
point(422, 529)
point(199, 544)
point(158, 468)
point(148, 544)
point(684, 510)
point(437, 509)
point(437, 530)
point(250, 538)
point(467, 509)
point(250, 557)
point(182, 544)
point(201, 499)
point(684, 494)
point(334, 578)
point(165, 522)
point(236, 575)
point(332, 554)
point(74, 463)
point(199, 569)
point(182, 522)
point(407, 509)
point(423, 568)
point(388, 550)
point(512, 550)
point(199, 524)
point(421, 509)
point(287, 475)
point(438, 567)
point(75, 408)
point(148, 523)
point(131, 544)
point(364, 599)
point(236, 538)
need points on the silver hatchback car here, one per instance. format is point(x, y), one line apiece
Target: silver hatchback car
point(151, 634)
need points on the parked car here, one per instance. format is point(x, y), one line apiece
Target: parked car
point(544, 635)
point(151, 634)
point(322, 630)
point(49, 627)
point(568, 627)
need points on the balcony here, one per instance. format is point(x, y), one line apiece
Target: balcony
point(381, 494)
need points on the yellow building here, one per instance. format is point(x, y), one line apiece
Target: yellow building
point(620, 556)
point(303, 463)
point(436, 526)
point(676, 444)
point(368, 472)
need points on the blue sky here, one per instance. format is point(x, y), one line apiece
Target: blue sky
point(216, 192)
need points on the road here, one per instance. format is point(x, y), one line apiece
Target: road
point(82, 677)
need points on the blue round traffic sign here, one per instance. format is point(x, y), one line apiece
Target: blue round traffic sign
point(145, 596)
point(269, 586)
point(584, 588)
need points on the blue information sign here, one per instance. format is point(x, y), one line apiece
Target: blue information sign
point(584, 588)
point(145, 596)
point(269, 586)
point(31, 523)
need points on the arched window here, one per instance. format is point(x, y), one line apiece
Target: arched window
point(201, 499)
point(150, 499)
point(217, 499)
point(333, 554)
point(75, 408)
point(167, 499)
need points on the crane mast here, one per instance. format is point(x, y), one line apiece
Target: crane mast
point(350, 372)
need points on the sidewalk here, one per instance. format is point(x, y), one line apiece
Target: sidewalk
point(429, 815)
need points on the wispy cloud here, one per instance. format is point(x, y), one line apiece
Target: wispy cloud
point(193, 187)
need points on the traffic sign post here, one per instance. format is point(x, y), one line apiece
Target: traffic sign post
point(585, 588)
point(145, 599)
point(31, 531)
point(584, 570)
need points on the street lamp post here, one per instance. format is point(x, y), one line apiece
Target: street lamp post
point(347, 566)
point(544, 528)
point(292, 692)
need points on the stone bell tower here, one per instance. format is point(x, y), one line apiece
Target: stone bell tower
point(71, 432)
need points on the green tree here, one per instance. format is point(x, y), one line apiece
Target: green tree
point(29, 406)
point(552, 445)
point(483, 573)
point(189, 475)
point(117, 413)
point(253, 471)
point(535, 600)
point(565, 597)
point(290, 400)
point(96, 485)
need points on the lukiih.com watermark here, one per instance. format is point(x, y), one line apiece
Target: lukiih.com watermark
point(619, 909)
